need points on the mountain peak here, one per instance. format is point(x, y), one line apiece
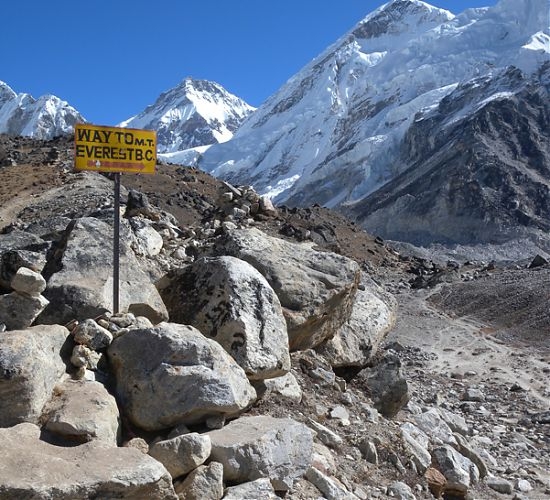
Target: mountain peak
point(42, 118)
point(398, 16)
point(193, 113)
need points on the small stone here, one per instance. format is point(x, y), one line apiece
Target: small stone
point(137, 443)
point(368, 450)
point(340, 413)
point(500, 485)
point(28, 282)
point(436, 481)
point(473, 394)
point(90, 334)
point(215, 422)
point(523, 485)
point(325, 435)
point(400, 491)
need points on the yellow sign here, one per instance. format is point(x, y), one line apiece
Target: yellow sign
point(114, 149)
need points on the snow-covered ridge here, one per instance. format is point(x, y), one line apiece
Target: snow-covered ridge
point(42, 118)
point(194, 113)
point(332, 133)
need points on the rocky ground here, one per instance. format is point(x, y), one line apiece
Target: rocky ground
point(472, 339)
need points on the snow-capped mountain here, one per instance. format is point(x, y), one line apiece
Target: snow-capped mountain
point(334, 132)
point(42, 118)
point(477, 167)
point(195, 113)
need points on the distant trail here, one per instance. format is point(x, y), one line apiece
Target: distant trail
point(464, 345)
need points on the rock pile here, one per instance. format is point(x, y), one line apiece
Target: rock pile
point(241, 366)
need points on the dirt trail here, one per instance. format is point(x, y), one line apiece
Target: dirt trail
point(465, 347)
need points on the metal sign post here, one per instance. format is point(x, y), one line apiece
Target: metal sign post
point(116, 246)
point(115, 149)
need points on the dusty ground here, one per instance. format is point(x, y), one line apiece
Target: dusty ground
point(470, 327)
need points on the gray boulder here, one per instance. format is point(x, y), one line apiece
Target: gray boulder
point(20, 248)
point(316, 289)
point(88, 333)
point(231, 302)
point(356, 342)
point(263, 447)
point(32, 468)
point(182, 454)
point(387, 385)
point(83, 287)
point(83, 411)
point(260, 488)
point(19, 311)
point(28, 282)
point(172, 374)
point(30, 367)
point(459, 471)
point(204, 483)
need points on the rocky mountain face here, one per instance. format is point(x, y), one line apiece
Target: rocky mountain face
point(42, 118)
point(194, 113)
point(259, 352)
point(477, 167)
point(341, 128)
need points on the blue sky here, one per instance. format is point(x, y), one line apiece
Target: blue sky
point(111, 58)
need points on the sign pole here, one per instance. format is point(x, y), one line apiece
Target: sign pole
point(116, 246)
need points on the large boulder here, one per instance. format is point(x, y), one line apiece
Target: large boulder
point(316, 289)
point(230, 301)
point(19, 310)
point(263, 447)
point(387, 385)
point(172, 374)
point(204, 483)
point(182, 454)
point(83, 285)
point(32, 468)
point(82, 411)
point(30, 367)
point(357, 341)
point(20, 248)
point(460, 472)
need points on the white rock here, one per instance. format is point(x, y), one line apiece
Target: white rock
point(32, 468)
point(354, 344)
point(30, 367)
point(263, 447)
point(83, 411)
point(93, 336)
point(182, 454)
point(28, 282)
point(329, 487)
point(459, 471)
point(325, 435)
point(172, 374)
point(258, 489)
point(18, 310)
point(316, 289)
point(203, 483)
point(229, 301)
